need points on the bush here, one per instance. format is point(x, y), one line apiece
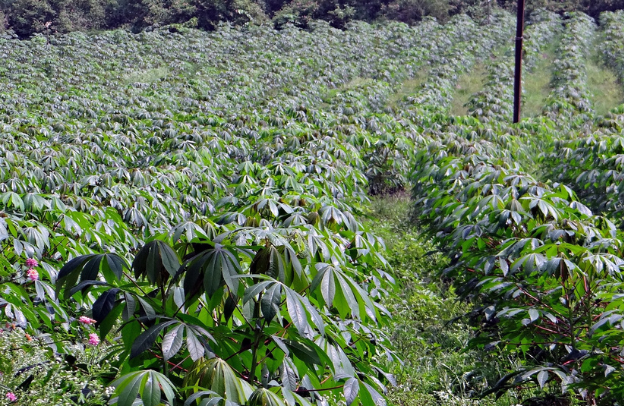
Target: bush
point(36, 378)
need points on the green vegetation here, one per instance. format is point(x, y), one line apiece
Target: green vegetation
point(434, 371)
point(233, 217)
point(536, 84)
point(468, 83)
point(408, 88)
point(605, 88)
point(28, 17)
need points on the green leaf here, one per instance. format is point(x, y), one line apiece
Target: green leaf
point(264, 397)
point(375, 397)
point(542, 377)
point(211, 395)
point(172, 341)
point(68, 275)
point(131, 390)
point(87, 268)
point(148, 384)
point(110, 320)
point(297, 312)
point(305, 351)
point(216, 375)
point(146, 339)
point(157, 261)
point(151, 392)
point(351, 389)
point(254, 290)
point(116, 264)
point(196, 349)
point(130, 308)
point(271, 300)
point(269, 261)
point(533, 314)
point(104, 304)
point(280, 344)
point(82, 285)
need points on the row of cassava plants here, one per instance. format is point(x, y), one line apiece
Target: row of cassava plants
point(545, 26)
point(543, 271)
point(494, 102)
point(569, 102)
point(437, 92)
point(594, 165)
point(611, 48)
point(591, 164)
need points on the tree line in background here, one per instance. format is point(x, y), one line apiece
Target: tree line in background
point(27, 17)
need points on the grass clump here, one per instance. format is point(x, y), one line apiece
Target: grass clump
point(34, 375)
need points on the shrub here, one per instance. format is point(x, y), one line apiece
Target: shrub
point(36, 378)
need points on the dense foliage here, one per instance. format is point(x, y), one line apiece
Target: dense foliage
point(207, 216)
point(27, 17)
point(542, 270)
point(186, 209)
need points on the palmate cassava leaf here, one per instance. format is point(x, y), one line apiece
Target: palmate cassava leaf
point(269, 261)
point(195, 347)
point(196, 339)
point(172, 342)
point(271, 301)
point(156, 261)
point(211, 399)
point(297, 313)
point(370, 396)
point(149, 385)
point(147, 338)
point(308, 352)
point(216, 375)
point(264, 397)
point(104, 304)
point(87, 268)
point(211, 269)
point(338, 289)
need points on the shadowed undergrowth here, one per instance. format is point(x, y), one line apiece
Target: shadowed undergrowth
point(436, 369)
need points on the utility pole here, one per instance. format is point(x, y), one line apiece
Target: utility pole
point(518, 76)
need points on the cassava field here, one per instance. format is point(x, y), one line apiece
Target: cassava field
point(314, 217)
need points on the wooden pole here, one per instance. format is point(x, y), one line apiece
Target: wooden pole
point(518, 76)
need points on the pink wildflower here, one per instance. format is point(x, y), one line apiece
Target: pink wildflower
point(31, 263)
point(33, 275)
point(94, 339)
point(11, 396)
point(86, 320)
